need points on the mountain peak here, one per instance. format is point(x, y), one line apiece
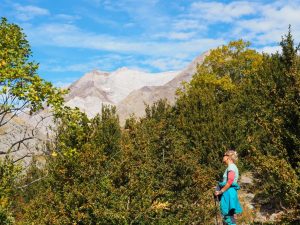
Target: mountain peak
point(126, 70)
point(122, 69)
point(98, 87)
point(128, 89)
point(97, 72)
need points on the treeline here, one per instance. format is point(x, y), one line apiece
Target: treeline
point(160, 169)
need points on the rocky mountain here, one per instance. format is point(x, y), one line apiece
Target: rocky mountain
point(134, 103)
point(128, 89)
point(97, 87)
point(21, 139)
point(125, 88)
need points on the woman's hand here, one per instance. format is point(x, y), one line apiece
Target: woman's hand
point(218, 193)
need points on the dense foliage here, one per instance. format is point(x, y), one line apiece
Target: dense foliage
point(21, 91)
point(160, 169)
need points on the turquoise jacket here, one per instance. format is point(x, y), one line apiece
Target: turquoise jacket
point(229, 200)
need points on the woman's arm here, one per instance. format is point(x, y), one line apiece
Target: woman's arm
point(230, 179)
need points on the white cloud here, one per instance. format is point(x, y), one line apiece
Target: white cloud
point(107, 62)
point(81, 67)
point(111, 63)
point(181, 35)
point(167, 64)
point(66, 35)
point(77, 67)
point(175, 35)
point(28, 12)
point(269, 49)
point(271, 24)
point(145, 15)
point(66, 17)
point(221, 12)
point(189, 24)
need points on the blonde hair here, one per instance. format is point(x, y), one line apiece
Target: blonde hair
point(232, 154)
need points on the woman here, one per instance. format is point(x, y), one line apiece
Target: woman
point(227, 189)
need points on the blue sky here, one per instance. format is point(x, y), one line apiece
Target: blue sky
point(72, 37)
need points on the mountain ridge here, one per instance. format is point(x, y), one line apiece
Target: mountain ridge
point(98, 87)
point(137, 99)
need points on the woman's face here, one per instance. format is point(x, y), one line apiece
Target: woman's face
point(225, 158)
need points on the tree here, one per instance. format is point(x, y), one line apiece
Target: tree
point(21, 89)
point(108, 132)
point(207, 112)
point(80, 172)
point(244, 100)
point(272, 99)
point(288, 57)
point(9, 173)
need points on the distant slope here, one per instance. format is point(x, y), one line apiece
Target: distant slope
point(134, 103)
point(97, 87)
point(20, 139)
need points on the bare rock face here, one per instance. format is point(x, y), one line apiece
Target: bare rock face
point(135, 102)
point(20, 140)
point(97, 88)
point(129, 90)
